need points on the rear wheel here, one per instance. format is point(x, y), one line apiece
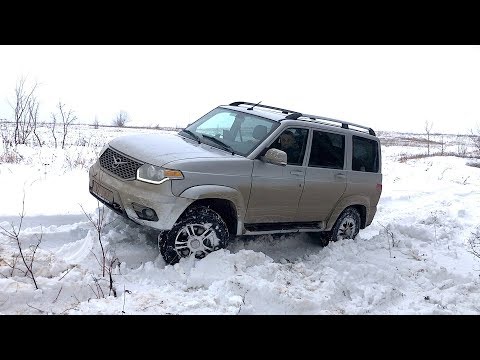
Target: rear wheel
point(197, 233)
point(347, 225)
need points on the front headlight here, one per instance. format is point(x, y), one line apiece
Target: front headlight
point(156, 175)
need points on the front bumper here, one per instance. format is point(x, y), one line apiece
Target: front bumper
point(126, 193)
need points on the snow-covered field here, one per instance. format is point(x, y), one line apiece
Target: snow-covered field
point(413, 259)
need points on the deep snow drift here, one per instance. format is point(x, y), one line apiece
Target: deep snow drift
point(429, 206)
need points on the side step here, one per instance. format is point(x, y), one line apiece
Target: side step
point(282, 228)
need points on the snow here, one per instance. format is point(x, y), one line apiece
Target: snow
point(429, 206)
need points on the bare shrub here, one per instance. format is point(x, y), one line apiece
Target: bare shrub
point(443, 173)
point(81, 141)
point(111, 264)
point(53, 125)
point(390, 238)
point(125, 291)
point(108, 260)
point(33, 113)
point(466, 155)
point(7, 135)
point(473, 164)
point(461, 145)
point(428, 129)
point(65, 117)
point(77, 160)
point(99, 224)
point(474, 243)
point(435, 220)
point(476, 140)
point(98, 291)
point(25, 108)
point(10, 156)
point(120, 119)
point(27, 259)
point(404, 157)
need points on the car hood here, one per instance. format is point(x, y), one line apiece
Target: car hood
point(159, 149)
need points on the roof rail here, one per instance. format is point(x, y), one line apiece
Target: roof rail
point(294, 115)
point(284, 111)
point(345, 124)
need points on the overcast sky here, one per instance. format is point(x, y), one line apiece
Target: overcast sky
point(384, 87)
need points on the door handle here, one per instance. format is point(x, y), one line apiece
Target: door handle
point(297, 172)
point(340, 176)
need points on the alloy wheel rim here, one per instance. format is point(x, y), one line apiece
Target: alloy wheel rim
point(347, 228)
point(196, 239)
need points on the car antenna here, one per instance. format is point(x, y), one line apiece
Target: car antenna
point(251, 108)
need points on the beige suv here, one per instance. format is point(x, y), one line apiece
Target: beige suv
point(243, 169)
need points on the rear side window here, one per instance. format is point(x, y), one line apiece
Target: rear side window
point(365, 155)
point(327, 150)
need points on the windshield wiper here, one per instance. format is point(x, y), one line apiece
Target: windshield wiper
point(220, 142)
point(191, 133)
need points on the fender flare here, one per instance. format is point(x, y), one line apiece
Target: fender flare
point(346, 202)
point(217, 192)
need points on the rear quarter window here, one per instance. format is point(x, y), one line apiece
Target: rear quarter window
point(365, 155)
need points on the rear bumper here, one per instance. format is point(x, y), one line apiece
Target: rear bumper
point(126, 193)
point(371, 211)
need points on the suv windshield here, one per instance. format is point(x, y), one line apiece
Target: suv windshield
point(239, 131)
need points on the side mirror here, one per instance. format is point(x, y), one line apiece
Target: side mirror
point(275, 156)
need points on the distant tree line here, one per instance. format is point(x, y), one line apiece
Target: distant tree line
point(25, 117)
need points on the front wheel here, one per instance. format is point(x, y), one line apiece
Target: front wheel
point(197, 233)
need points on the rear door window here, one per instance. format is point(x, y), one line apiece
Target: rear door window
point(328, 150)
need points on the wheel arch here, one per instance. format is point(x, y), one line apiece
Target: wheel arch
point(226, 201)
point(358, 202)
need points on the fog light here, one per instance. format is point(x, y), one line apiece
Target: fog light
point(145, 213)
point(148, 213)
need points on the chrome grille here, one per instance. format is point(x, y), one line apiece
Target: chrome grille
point(119, 165)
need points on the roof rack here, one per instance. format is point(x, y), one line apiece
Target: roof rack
point(345, 124)
point(294, 115)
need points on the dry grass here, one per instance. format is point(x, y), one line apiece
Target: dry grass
point(78, 161)
point(405, 157)
point(10, 157)
point(420, 140)
point(474, 164)
point(407, 141)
